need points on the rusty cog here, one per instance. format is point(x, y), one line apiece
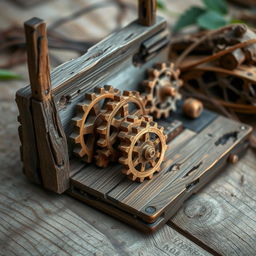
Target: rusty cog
point(86, 120)
point(162, 90)
point(130, 103)
point(143, 146)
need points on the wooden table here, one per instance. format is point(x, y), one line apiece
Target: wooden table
point(220, 220)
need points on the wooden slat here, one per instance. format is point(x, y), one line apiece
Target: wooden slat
point(223, 214)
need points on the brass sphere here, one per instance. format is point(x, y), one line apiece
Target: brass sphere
point(192, 108)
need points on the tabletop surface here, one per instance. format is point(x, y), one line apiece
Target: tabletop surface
point(220, 220)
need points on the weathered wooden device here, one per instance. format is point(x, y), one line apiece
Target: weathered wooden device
point(97, 110)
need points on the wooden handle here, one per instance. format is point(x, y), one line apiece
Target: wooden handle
point(38, 59)
point(147, 12)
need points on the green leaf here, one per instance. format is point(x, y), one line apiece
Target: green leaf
point(211, 20)
point(8, 75)
point(189, 17)
point(219, 6)
point(161, 5)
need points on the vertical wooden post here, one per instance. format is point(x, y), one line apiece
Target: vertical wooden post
point(147, 12)
point(38, 60)
point(51, 140)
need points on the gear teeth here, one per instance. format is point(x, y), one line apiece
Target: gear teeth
point(161, 66)
point(77, 121)
point(102, 129)
point(127, 93)
point(102, 143)
point(105, 117)
point(126, 171)
point(132, 118)
point(150, 84)
point(132, 177)
point(144, 124)
point(123, 160)
point(150, 176)
point(75, 137)
point(136, 129)
point(91, 96)
point(124, 127)
point(109, 88)
point(136, 94)
point(141, 179)
point(118, 98)
point(79, 151)
point(111, 105)
point(148, 118)
point(165, 114)
point(99, 90)
point(172, 65)
point(157, 114)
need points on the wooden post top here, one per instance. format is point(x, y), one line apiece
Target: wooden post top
point(147, 12)
point(38, 59)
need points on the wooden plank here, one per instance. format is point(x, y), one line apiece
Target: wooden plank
point(224, 210)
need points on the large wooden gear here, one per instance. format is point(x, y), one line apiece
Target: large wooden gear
point(130, 103)
point(143, 147)
point(88, 113)
point(162, 89)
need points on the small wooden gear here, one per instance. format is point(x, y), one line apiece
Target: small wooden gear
point(162, 89)
point(143, 146)
point(86, 119)
point(130, 103)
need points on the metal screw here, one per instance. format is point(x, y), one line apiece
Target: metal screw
point(150, 209)
point(242, 128)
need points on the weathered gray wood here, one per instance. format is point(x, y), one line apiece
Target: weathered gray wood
point(28, 152)
point(223, 214)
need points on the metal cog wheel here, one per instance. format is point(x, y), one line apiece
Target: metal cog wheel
point(130, 103)
point(162, 90)
point(86, 120)
point(143, 146)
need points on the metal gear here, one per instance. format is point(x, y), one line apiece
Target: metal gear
point(162, 89)
point(130, 103)
point(86, 120)
point(143, 146)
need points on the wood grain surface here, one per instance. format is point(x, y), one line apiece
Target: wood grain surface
point(220, 219)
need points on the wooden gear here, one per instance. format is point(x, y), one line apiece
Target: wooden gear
point(162, 89)
point(143, 147)
point(130, 103)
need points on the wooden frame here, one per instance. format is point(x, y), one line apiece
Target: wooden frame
point(121, 60)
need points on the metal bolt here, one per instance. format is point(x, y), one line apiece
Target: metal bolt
point(150, 209)
point(242, 127)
